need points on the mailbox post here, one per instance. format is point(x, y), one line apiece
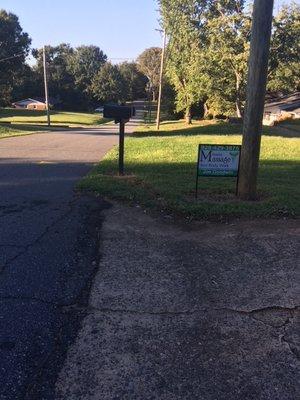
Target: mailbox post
point(121, 147)
point(121, 115)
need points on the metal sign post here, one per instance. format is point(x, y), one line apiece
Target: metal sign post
point(218, 161)
point(121, 147)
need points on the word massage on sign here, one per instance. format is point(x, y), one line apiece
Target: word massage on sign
point(218, 160)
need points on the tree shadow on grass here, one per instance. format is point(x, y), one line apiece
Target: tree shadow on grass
point(18, 112)
point(36, 127)
point(37, 117)
point(30, 127)
point(220, 128)
point(172, 186)
point(54, 123)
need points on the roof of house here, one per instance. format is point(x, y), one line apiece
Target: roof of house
point(37, 100)
point(289, 102)
point(28, 101)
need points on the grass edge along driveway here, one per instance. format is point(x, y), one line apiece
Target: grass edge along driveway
point(17, 122)
point(161, 171)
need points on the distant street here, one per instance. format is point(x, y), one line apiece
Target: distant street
point(49, 250)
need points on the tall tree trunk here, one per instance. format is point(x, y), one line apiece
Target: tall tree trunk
point(188, 115)
point(238, 109)
point(206, 110)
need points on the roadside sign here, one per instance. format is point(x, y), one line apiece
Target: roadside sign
point(218, 161)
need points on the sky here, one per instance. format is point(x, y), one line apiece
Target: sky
point(121, 28)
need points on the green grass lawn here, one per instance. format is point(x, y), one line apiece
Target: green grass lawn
point(14, 122)
point(161, 171)
point(18, 130)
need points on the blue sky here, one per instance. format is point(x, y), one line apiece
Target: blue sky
point(122, 28)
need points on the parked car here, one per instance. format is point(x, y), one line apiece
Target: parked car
point(99, 109)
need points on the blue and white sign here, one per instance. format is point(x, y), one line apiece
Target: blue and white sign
point(218, 160)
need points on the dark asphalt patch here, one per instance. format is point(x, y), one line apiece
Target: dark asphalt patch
point(36, 325)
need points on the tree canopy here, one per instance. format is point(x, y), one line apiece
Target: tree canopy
point(14, 48)
point(109, 85)
point(205, 65)
point(284, 65)
point(149, 64)
point(135, 80)
point(84, 64)
point(208, 50)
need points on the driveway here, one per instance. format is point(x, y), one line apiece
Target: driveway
point(189, 311)
point(49, 250)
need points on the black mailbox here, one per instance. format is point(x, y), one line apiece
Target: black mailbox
point(121, 115)
point(118, 112)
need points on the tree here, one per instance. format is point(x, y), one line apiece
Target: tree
point(109, 85)
point(284, 64)
point(26, 84)
point(135, 80)
point(13, 51)
point(228, 53)
point(60, 80)
point(149, 64)
point(84, 64)
point(185, 56)
point(207, 53)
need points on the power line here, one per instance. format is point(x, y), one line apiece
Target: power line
point(15, 56)
point(121, 58)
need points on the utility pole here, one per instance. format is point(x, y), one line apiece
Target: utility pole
point(46, 86)
point(256, 90)
point(149, 90)
point(160, 81)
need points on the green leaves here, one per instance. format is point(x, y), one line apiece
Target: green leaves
point(109, 85)
point(149, 64)
point(284, 64)
point(13, 41)
point(208, 50)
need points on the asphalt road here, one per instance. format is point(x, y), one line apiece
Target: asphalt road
point(49, 252)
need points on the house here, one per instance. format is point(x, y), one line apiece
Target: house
point(30, 104)
point(38, 103)
point(283, 107)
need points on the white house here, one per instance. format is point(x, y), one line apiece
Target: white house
point(30, 104)
point(282, 107)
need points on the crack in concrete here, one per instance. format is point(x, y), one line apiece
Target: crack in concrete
point(251, 313)
point(293, 349)
point(186, 312)
point(106, 310)
point(290, 347)
point(90, 309)
point(269, 309)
